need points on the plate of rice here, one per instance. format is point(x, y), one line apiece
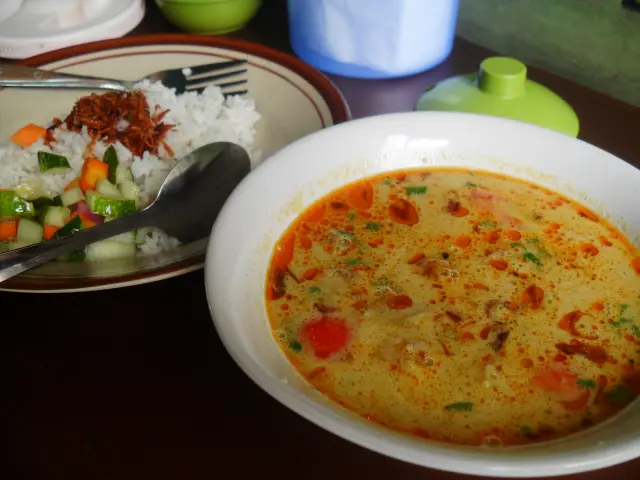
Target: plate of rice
point(59, 171)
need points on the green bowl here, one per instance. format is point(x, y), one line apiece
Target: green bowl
point(209, 17)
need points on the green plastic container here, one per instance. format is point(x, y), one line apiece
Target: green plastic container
point(501, 88)
point(209, 17)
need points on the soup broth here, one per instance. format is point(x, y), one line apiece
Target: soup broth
point(460, 306)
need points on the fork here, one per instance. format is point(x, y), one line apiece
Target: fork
point(186, 79)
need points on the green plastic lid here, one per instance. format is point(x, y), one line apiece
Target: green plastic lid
point(501, 88)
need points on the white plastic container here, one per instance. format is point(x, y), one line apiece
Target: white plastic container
point(372, 38)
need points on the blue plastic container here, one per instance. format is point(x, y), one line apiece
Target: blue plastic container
point(373, 38)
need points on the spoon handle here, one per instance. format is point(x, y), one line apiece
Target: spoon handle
point(17, 261)
point(19, 76)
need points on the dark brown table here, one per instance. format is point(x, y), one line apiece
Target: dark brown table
point(135, 384)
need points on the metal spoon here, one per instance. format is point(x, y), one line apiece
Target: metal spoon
point(186, 206)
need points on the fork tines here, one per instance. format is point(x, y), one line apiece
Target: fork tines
point(201, 76)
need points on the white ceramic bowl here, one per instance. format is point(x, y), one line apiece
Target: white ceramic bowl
point(272, 196)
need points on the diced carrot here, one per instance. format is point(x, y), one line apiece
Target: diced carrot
point(315, 213)
point(305, 242)
point(534, 296)
point(92, 171)
point(589, 249)
point(597, 306)
point(402, 211)
point(499, 264)
point(635, 264)
point(327, 335)
point(284, 251)
point(8, 229)
point(398, 302)
point(416, 258)
point(513, 235)
point(28, 135)
point(361, 196)
point(71, 185)
point(492, 237)
point(557, 379)
point(463, 241)
point(480, 286)
point(86, 223)
point(50, 231)
point(310, 274)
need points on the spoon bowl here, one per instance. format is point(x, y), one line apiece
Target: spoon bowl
point(186, 207)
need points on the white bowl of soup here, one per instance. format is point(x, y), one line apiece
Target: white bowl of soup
point(457, 291)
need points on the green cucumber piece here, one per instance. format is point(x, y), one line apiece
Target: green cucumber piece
point(41, 202)
point(56, 216)
point(75, 256)
point(109, 205)
point(29, 231)
point(12, 205)
point(52, 163)
point(73, 226)
point(110, 157)
point(141, 235)
point(71, 196)
point(129, 189)
point(126, 237)
point(123, 174)
point(110, 249)
point(30, 189)
point(106, 187)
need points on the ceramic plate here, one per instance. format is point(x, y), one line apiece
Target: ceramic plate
point(292, 98)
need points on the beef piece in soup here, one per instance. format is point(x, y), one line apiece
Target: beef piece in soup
point(460, 306)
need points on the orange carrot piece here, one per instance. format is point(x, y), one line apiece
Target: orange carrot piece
point(315, 213)
point(463, 241)
point(533, 295)
point(284, 251)
point(310, 274)
point(305, 242)
point(8, 229)
point(326, 335)
point(499, 264)
point(513, 235)
point(402, 211)
point(416, 258)
point(589, 249)
point(50, 231)
point(71, 185)
point(28, 135)
point(635, 264)
point(92, 171)
point(361, 196)
point(492, 237)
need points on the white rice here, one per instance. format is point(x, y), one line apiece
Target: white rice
point(199, 119)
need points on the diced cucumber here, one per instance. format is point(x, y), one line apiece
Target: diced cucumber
point(56, 216)
point(141, 235)
point(41, 202)
point(29, 231)
point(105, 186)
point(123, 174)
point(110, 249)
point(126, 237)
point(109, 205)
point(12, 205)
point(30, 189)
point(111, 158)
point(71, 196)
point(75, 256)
point(73, 226)
point(129, 189)
point(117, 172)
point(52, 163)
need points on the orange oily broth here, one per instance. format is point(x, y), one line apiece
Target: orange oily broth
point(460, 306)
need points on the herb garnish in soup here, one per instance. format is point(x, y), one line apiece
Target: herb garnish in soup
point(460, 306)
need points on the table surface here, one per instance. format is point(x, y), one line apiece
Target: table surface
point(134, 383)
